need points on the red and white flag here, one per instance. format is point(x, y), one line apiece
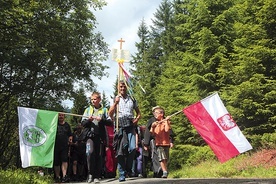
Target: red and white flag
point(216, 126)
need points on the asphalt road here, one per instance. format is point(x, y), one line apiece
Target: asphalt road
point(188, 181)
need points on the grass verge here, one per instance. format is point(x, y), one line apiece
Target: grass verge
point(261, 164)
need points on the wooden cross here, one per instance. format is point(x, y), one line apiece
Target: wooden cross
point(121, 43)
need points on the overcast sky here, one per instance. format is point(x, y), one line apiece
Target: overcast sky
point(120, 19)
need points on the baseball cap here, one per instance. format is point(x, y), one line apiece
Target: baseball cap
point(156, 107)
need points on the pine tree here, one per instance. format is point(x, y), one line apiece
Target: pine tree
point(80, 102)
point(105, 101)
point(190, 72)
point(151, 56)
point(142, 72)
point(251, 91)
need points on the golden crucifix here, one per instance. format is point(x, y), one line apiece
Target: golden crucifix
point(121, 43)
point(120, 55)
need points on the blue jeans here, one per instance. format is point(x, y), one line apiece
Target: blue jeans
point(125, 161)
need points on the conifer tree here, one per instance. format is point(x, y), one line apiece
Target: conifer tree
point(151, 56)
point(250, 94)
point(105, 101)
point(80, 102)
point(143, 72)
point(190, 72)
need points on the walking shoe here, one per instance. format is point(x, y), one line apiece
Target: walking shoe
point(165, 174)
point(65, 179)
point(74, 178)
point(57, 179)
point(132, 175)
point(96, 180)
point(122, 178)
point(90, 179)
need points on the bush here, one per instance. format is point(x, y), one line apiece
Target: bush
point(265, 141)
point(255, 141)
point(189, 155)
point(23, 177)
point(268, 141)
point(202, 154)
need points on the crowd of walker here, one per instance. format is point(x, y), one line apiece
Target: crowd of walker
point(96, 148)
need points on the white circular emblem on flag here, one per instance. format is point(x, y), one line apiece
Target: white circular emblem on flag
point(33, 136)
point(226, 122)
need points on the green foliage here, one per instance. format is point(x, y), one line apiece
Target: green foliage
point(189, 155)
point(269, 141)
point(52, 51)
point(234, 168)
point(255, 140)
point(265, 141)
point(81, 101)
point(9, 149)
point(24, 177)
point(195, 48)
point(192, 49)
point(269, 128)
point(202, 154)
point(149, 61)
point(105, 100)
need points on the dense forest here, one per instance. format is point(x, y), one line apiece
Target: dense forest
point(192, 49)
point(197, 47)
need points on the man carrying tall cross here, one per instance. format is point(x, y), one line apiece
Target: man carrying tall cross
point(126, 147)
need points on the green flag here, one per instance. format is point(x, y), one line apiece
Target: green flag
point(37, 134)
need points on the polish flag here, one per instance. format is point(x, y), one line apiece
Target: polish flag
point(216, 126)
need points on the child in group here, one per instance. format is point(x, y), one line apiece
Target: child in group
point(160, 129)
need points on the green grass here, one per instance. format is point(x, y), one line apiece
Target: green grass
point(234, 168)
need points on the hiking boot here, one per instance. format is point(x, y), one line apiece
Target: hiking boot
point(57, 179)
point(165, 174)
point(159, 173)
point(90, 179)
point(96, 180)
point(122, 178)
point(65, 179)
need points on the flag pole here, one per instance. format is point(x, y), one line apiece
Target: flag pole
point(71, 114)
point(119, 60)
point(118, 92)
point(170, 116)
point(176, 113)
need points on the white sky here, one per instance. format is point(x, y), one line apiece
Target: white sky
point(120, 19)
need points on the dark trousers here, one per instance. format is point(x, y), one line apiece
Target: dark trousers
point(94, 157)
point(125, 163)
